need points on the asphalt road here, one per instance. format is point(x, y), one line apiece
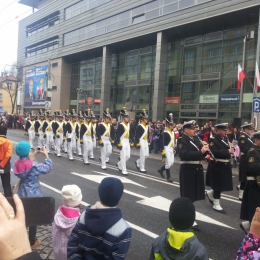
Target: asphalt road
point(145, 201)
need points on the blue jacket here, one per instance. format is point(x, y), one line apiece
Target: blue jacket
point(100, 234)
point(28, 171)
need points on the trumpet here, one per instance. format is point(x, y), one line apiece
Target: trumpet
point(210, 153)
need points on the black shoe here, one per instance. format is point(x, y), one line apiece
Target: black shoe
point(91, 158)
point(170, 179)
point(196, 227)
point(138, 168)
point(161, 173)
point(142, 171)
point(221, 211)
point(86, 163)
point(107, 162)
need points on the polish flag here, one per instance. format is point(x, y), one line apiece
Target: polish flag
point(240, 76)
point(257, 77)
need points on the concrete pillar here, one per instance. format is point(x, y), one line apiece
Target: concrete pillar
point(105, 81)
point(159, 77)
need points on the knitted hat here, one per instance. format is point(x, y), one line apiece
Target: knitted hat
point(182, 214)
point(110, 191)
point(71, 195)
point(23, 148)
point(3, 130)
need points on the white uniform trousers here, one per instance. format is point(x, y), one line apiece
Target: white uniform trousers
point(106, 150)
point(169, 160)
point(31, 134)
point(41, 140)
point(144, 153)
point(78, 147)
point(87, 147)
point(65, 146)
point(72, 145)
point(124, 155)
point(49, 140)
point(94, 145)
point(59, 142)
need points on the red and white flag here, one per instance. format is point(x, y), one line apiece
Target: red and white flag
point(240, 76)
point(257, 77)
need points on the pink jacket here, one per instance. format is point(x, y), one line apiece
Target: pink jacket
point(237, 151)
point(64, 221)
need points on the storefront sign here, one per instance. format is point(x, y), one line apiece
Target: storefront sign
point(97, 101)
point(229, 99)
point(256, 105)
point(89, 100)
point(209, 99)
point(172, 100)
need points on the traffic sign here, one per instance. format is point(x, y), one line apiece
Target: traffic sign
point(256, 104)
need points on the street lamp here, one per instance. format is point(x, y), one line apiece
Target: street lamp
point(79, 92)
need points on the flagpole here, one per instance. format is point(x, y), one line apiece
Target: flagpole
point(241, 86)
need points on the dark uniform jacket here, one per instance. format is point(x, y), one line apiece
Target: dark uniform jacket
point(244, 143)
point(38, 125)
point(83, 129)
point(140, 132)
point(191, 175)
point(120, 131)
point(56, 128)
point(101, 130)
point(69, 128)
point(219, 174)
point(251, 196)
point(29, 123)
point(47, 126)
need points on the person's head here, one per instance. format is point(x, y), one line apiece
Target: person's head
point(114, 121)
point(256, 137)
point(71, 195)
point(221, 129)
point(110, 191)
point(235, 130)
point(30, 86)
point(124, 115)
point(3, 131)
point(107, 116)
point(248, 128)
point(144, 116)
point(189, 128)
point(23, 149)
point(42, 83)
point(182, 214)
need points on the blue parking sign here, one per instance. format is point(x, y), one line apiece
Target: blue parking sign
point(256, 104)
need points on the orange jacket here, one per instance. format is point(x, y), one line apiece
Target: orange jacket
point(6, 151)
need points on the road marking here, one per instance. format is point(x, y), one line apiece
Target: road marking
point(157, 202)
point(138, 228)
point(145, 176)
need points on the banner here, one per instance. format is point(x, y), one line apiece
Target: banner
point(229, 99)
point(172, 100)
point(205, 99)
point(36, 81)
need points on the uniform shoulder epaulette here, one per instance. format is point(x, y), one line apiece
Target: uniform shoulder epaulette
point(242, 136)
point(179, 137)
point(213, 137)
point(251, 149)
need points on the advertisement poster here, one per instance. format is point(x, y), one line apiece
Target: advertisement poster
point(36, 82)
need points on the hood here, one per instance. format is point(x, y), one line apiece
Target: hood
point(22, 165)
point(66, 217)
point(3, 140)
point(98, 221)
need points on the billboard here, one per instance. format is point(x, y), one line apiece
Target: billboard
point(36, 82)
point(172, 100)
point(205, 99)
point(232, 98)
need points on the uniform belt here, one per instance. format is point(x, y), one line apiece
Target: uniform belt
point(242, 153)
point(249, 178)
point(220, 160)
point(190, 162)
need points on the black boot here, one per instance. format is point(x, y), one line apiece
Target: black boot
point(168, 174)
point(161, 171)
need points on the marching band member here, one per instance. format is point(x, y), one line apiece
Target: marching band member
point(48, 131)
point(104, 134)
point(219, 172)
point(66, 120)
point(191, 152)
point(245, 143)
point(30, 128)
point(168, 143)
point(39, 129)
point(123, 136)
point(141, 138)
point(86, 136)
point(94, 130)
point(58, 130)
point(79, 122)
point(72, 133)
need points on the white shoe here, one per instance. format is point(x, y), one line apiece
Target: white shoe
point(80, 154)
point(59, 155)
point(217, 207)
point(245, 226)
point(124, 173)
point(240, 194)
point(209, 194)
point(103, 168)
point(71, 158)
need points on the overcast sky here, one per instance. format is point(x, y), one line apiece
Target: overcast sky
point(10, 14)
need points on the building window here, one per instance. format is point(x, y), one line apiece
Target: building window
point(138, 19)
point(1, 97)
point(9, 86)
point(54, 88)
point(188, 87)
point(189, 56)
point(211, 53)
point(41, 47)
point(43, 24)
point(235, 49)
point(54, 65)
